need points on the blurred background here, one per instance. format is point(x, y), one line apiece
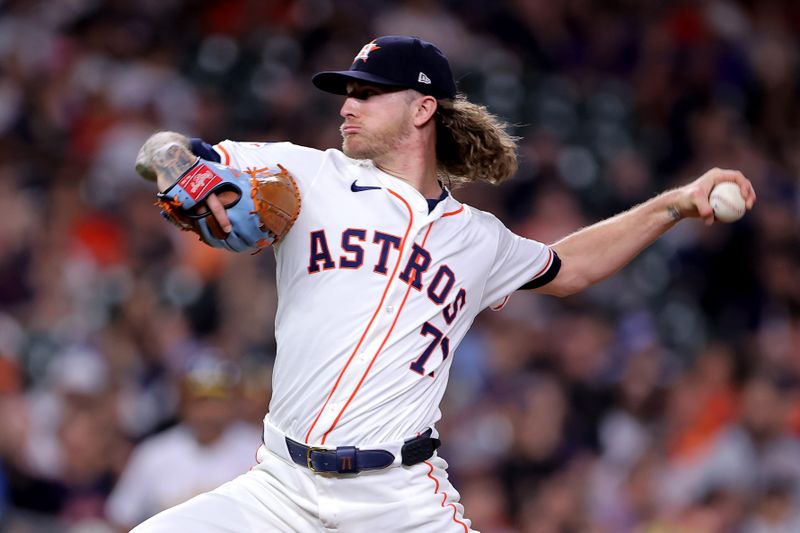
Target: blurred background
point(135, 362)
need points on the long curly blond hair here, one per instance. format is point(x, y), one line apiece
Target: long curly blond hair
point(472, 144)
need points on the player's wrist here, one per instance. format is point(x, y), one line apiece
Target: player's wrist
point(669, 207)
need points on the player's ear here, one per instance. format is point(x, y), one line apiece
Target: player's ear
point(424, 109)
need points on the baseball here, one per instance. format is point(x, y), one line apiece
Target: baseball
point(727, 202)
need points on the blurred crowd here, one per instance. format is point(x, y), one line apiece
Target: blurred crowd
point(135, 362)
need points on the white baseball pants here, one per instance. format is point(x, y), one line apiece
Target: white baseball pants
point(278, 495)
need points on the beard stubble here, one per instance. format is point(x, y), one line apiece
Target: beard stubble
point(372, 145)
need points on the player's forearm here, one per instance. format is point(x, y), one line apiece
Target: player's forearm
point(594, 253)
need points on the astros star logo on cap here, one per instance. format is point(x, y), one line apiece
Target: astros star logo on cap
point(401, 61)
point(365, 51)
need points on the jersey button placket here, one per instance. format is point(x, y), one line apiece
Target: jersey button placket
point(399, 287)
point(375, 337)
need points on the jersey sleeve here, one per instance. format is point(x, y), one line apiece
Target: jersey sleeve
point(302, 162)
point(518, 263)
point(204, 150)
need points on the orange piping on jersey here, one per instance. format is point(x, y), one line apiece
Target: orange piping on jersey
point(386, 338)
point(225, 153)
point(369, 325)
point(546, 266)
point(502, 304)
point(444, 497)
point(257, 461)
point(544, 269)
point(451, 213)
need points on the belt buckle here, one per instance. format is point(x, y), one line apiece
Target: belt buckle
point(309, 463)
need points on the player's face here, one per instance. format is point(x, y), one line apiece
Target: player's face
point(376, 120)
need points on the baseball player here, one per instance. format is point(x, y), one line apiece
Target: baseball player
point(379, 278)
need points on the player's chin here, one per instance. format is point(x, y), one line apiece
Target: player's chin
point(355, 150)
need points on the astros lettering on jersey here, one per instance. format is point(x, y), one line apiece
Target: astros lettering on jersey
point(375, 294)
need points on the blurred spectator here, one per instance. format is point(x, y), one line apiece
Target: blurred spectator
point(544, 440)
point(775, 511)
point(765, 453)
point(68, 446)
point(622, 483)
point(484, 497)
point(716, 511)
point(208, 446)
point(701, 404)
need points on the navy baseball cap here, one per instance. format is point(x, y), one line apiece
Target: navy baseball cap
point(396, 61)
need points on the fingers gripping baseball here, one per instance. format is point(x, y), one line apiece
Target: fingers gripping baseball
point(694, 198)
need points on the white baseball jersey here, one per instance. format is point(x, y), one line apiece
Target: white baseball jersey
point(375, 294)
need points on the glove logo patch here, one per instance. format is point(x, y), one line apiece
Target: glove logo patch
point(267, 204)
point(199, 181)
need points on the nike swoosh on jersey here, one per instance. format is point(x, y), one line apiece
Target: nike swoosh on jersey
point(359, 188)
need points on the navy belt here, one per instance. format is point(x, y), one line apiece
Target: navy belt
point(351, 460)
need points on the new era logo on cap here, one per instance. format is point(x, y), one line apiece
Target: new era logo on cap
point(396, 61)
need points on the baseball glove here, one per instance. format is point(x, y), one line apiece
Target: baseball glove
point(261, 204)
